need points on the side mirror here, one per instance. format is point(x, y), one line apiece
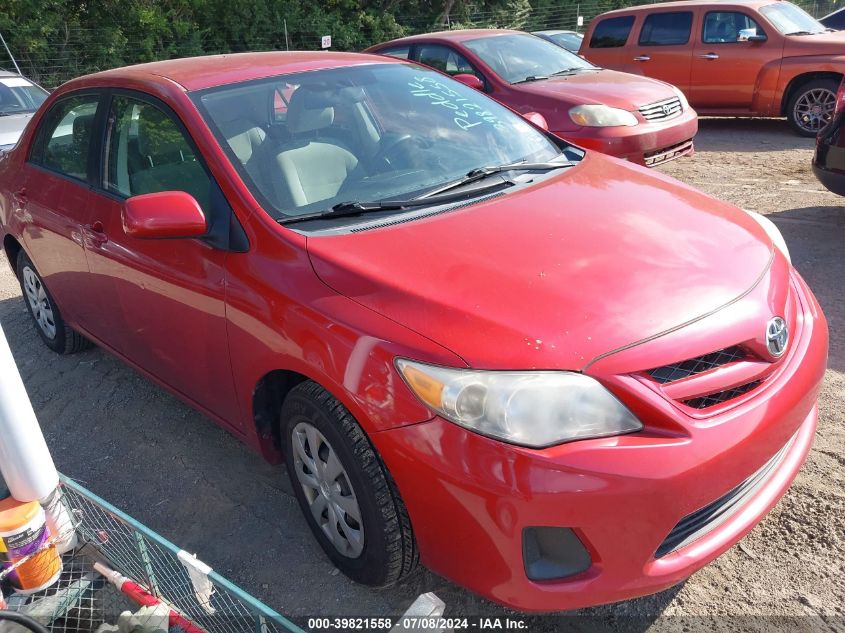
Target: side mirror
point(167, 214)
point(537, 119)
point(470, 80)
point(757, 38)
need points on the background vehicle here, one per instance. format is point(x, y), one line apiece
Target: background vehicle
point(829, 159)
point(19, 99)
point(630, 117)
point(835, 20)
point(744, 58)
point(570, 40)
point(317, 279)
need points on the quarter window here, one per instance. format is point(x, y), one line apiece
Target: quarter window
point(64, 139)
point(148, 153)
point(666, 29)
point(728, 27)
point(612, 32)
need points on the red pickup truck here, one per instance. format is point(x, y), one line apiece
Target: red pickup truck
point(732, 58)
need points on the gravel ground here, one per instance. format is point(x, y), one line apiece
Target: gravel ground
point(172, 469)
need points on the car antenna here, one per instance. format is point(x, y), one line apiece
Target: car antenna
point(12, 57)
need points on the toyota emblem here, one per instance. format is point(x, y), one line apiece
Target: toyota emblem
point(777, 336)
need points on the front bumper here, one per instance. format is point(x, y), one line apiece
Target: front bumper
point(470, 497)
point(832, 180)
point(649, 143)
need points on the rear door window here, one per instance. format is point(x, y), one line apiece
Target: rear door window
point(612, 32)
point(666, 29)
point(728, 27)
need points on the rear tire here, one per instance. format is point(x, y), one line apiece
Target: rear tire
point(810, 106)
point(51, 327)
point(344, 489)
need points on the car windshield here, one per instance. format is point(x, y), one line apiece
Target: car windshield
point(19, 95)
point(518, 57)
point(791, 20)
point(308, 141)
point(570, 41)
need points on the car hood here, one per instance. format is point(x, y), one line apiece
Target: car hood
point(832, 43)
point(557, 273)
point(616, 89)
point(12, 126)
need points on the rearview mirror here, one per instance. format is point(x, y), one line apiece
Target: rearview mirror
point(469, 80)
point(537, 119)
point(167, 214)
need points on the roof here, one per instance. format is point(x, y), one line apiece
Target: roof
point(693, 3)
point(458, 35)
point(197, 73)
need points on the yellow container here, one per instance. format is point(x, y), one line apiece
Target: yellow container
point(23, 531)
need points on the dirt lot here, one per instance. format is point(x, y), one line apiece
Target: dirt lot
point(175, 471)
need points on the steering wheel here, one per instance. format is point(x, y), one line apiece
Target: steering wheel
point(385, 152)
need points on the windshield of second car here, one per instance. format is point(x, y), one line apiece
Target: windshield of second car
point(308, 141)
point(518, 57)
point(791, 20)
point(19, 95)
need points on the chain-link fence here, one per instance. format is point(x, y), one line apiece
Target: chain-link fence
point(69, 51)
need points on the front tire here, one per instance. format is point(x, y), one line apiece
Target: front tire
point(51, 327)
point(810, 106)
point(344, 490)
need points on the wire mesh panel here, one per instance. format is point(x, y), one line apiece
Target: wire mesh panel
point(158, 574)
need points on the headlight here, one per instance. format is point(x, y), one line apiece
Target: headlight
point(682, 97)
point(601, 116)
point(529, 408)
point(772, 231)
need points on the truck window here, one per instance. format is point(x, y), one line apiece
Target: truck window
point(666, 29)
point(727, 27)
point(612, 32)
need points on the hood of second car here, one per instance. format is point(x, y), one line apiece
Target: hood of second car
point(556, 274)
point(12, 126)
point(609, 87)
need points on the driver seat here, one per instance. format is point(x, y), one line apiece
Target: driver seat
point(312, 168)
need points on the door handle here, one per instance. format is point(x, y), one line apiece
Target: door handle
point(95, 234)
point(710, 56)
point(642, 58)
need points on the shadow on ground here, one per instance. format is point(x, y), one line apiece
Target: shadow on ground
point(748, 135)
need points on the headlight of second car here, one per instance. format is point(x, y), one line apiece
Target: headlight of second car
point(529, 408)
point(601, 116)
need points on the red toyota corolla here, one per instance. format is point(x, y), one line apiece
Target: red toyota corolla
point(629, 116)
point(549, 375)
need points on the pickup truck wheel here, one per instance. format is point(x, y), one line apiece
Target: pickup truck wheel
point(344, 489)
point(810, 107)
point(52, 329)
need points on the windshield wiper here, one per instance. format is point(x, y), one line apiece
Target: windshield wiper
point(430, 198)
point(802, 33)
point(484, 172)
point(531, 78)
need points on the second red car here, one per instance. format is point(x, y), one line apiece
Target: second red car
point(640, 119)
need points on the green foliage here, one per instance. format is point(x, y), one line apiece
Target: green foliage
point(55, 40)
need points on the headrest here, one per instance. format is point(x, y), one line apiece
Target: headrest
point(157, 134)
point(309, 111)
point(82, 125)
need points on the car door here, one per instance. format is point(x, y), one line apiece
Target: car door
point(170, 292)
point(726, 63)
point(52, 197)
point(606, 46)
point(664, 47)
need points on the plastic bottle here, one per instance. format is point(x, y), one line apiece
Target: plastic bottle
point(24, 533)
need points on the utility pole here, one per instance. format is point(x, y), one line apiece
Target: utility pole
point(287, 46)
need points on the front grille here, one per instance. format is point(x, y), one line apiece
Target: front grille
point(660, 110)
point(698, 365)
point(713, 399)
point(699, 523)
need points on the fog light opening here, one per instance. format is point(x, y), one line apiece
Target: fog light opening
point(553, 553)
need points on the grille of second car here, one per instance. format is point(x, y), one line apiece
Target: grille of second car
point(660, 110)
point(697, 365)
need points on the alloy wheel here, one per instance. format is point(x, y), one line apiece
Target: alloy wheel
point(814, 109)
point(328, 490)
point(42, 310)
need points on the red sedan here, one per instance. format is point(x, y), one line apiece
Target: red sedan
point(549, 375)
point(632, 117)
